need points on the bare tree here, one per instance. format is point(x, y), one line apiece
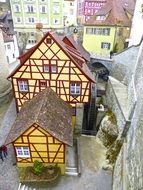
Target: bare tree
point(23, 41)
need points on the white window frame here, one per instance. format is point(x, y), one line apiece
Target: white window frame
point(105, 45)
point(56, 8)
point(53, 68)
point(17, 8)
point(8, 46)
point(31, 20)
point(46, 68)
point(23, 85)
point(89, 30)
point(106, 31)
point(22, 151)
point(56, 21)
point(75, 88)
point(44, 20)
point(18, 19)
point(43, 9)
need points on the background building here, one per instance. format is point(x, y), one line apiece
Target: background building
point(9, 36)
point(26, 14)
point(110, 27)
point(88, 8)
point(70, 11)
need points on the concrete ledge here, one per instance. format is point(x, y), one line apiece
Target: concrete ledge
point(120, 92)
point(78, 157)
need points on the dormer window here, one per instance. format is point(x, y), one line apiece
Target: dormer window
point(23, 85)
point(101, 17)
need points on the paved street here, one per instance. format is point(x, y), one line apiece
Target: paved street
point(92, 157)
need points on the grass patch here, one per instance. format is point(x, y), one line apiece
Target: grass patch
point(27, 175)
point(111, 116)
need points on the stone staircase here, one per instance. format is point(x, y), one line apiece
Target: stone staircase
point(72, 171)
point(25, 187)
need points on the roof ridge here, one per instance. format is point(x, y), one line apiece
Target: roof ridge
point(41, 103)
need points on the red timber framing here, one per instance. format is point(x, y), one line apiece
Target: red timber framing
point(62, 67)
point(50, 150)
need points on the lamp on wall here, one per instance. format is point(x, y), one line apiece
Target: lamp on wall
point(75, 31)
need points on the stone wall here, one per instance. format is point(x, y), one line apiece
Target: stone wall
point(115, 107)
point(124, 63)
point(128, 171)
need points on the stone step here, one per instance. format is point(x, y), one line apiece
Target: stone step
point(25, 187)
point(72, 171)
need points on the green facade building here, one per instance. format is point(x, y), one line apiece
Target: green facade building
point(27, 13)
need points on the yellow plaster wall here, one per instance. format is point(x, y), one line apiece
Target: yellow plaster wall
point(38, 141)
point(73, 121)
point(53, 77)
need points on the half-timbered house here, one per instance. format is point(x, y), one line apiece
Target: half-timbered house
point(42, 130)
point(52, 64)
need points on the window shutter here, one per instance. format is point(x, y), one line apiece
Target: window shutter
point(26, 8)
point(34, 8)
point(19, 8)
point(102, 45)
point(40, 8)
point(109, 45)
point(26, 20)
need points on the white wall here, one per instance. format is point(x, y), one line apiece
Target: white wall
point(137, 24)
point(70, 18)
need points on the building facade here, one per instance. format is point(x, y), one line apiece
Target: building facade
point(88, 8)
point(52, 63)
point(46, 133)
point(26, 14)
point(70, 12)
point(9, 36)
point(109, 28)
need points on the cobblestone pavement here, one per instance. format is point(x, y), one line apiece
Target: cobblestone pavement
point(8, 172)
point(92, 156)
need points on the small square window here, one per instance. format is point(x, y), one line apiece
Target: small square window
point(48, 41)
point(75, 88)
point(43, 83)
point(23, 85)
point(8, 46)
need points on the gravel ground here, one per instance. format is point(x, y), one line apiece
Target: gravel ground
point(92, 155)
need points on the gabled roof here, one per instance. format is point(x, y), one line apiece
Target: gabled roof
point(50, 112)
point(115, 12)
point(70, 41)
point(23, 58)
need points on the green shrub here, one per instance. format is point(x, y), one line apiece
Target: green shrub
point(38, 167)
